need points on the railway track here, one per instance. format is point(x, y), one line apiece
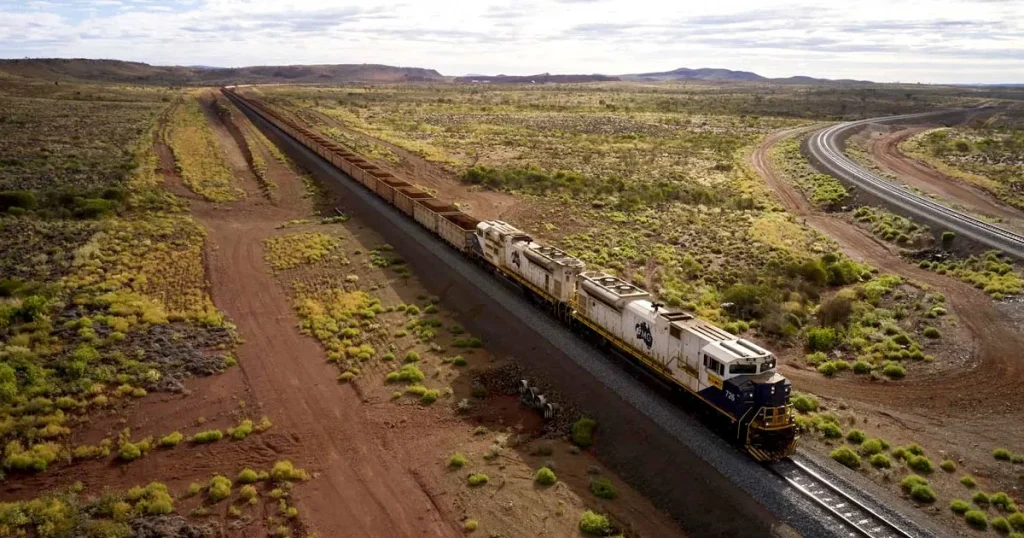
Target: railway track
point(857, 519)
point(826, 146)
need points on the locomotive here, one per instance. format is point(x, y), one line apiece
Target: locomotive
point(734, 380)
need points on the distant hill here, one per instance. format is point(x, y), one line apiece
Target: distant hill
point(543, 78)
point(727, 75)
point(141, 73)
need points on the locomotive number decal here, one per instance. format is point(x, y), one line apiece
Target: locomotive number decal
point(515, 259)
point(643, 333)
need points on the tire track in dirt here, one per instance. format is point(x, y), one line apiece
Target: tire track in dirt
point(884, 150)
point(995, 373)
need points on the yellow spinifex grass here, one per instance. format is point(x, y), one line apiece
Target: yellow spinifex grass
point(297, 249)
point(198, 157)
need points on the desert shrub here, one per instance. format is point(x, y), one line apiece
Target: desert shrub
point(1000, 525)
point(429, 396)
point(1001, 454)
point(980, 498)
point(948, 237)
point(220, 488)
point(894, 370)
point(880, 461)
point(947, 465)
point(345, 377)
point(477, 479)
point(872, 446)
point(412, 356)
point(247, 492)
point(846, 456)
point(171, 439)
point(922, 493)
point(932, 332)
point(545, 476)
point(856, 436)
point(911, 480)
point(583, 432)
point(284, 471)
point(831, 430)
point(1002, 500)
point(836, 310)
point(1016, 520)
point(959, 506)
point(247, 476)
point(920, 464)
point(468, 342)
point(210, 436)
point(603, 488)
point(976, 519)
point(862, 367)
point(968, 481)
point(594, 524)
point(241, 431)
point(805, 403)
point(470, 525)
point(408, 373)
point(457, 460)
point(828, 369)
point(821, 338)
point(459, 360)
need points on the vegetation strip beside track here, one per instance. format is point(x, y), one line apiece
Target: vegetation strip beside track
point(826, 147)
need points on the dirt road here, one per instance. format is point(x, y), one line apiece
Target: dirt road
point(884, 149)
point(995, 370)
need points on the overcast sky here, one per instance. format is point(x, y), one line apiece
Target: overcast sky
point(963, 41)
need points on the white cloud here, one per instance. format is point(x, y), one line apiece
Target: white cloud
point(914, 40)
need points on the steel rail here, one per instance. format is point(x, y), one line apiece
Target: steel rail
point(826, 146)
point(862, 520)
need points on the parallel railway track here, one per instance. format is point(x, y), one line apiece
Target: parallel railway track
point(826, 146)
point(857, 519)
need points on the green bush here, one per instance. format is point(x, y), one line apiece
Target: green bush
point(210, 436)
point(922, 493)
point(545, 476)
point(1000, 525)
point(948, 237)
point(247, 492)
point(828, 369)
point(1016, 520)
point(968, 481)
point(603, 488)
point(880, 461)
point(241, 431)
point(247, 476)
point(477, 479)
point(583, 432)
point(920, 464)
point(846, 456)
point(831, 430)
point(220, 488)
point(1002, 454)
point(980, 498)
point(594, 524)
point(459, 360)
point(805, 403)
point(856, 436)
point(821, 338)
point(457, 460)
point(470, 525)
point(468, 342)
point(25, 200)
point(862, 367)
point(1002, 500)
point(171, 439)
point(959, 506)
point(976, 519)
point(412, 356)
point(408, 373)
point(872, 446)
point(429, 396)
point(816, 358)
point(947, 465)
point(911, 480)
point(932, 332)
point(894, 370)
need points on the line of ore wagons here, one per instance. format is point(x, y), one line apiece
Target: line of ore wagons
point(441, 217)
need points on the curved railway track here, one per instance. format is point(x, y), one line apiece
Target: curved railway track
point(857, 519)
point(826, 146)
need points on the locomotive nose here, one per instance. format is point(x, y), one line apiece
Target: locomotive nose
point(772, 392)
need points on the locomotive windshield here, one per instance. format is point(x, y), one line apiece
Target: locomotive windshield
point(742, 368)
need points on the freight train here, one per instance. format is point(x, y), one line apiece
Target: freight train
point(732, 379)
